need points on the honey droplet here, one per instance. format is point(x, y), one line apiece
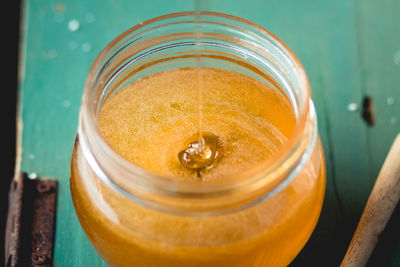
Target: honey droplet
point(200, 153)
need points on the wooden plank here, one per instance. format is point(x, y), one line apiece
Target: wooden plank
point(323, 35)
point(348, 48)
point(54, 68)
point(378, 27)
point(379, 45)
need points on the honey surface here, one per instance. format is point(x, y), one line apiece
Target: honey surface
point(150, 121)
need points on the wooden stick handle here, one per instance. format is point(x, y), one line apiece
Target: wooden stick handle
point(381, 203)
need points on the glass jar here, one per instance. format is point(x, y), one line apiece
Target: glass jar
point(261, 217)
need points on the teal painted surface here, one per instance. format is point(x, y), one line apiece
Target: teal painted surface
point(349, 48)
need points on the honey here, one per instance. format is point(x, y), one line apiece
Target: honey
point(149, 123)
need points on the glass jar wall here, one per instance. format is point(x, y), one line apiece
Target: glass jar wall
point(258, 216)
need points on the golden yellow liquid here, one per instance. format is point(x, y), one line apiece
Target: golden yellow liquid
point(148, 123)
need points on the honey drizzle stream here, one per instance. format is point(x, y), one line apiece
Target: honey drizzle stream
point(200, 5)
point(202, 152)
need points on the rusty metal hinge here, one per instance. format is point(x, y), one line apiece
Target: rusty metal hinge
point(30, 222)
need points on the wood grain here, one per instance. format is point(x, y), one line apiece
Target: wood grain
point(380, 205)
point(348, 48)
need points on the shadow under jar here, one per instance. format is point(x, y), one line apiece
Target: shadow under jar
point(260, 202)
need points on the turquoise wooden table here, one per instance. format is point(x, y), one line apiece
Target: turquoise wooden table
point(350, 50)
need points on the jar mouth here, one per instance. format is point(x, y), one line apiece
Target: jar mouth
point(133, 181)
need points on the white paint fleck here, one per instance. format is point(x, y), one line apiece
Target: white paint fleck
point(396, 58)
point(31, 156)
point(73, 25)
point(33, 175)
point(390, 100)
point(72, 45)
point(66, 103)
point(86, 47)
point(90, 18)
point(352, 107)
point(393, 120)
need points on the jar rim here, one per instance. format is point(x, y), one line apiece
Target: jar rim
point(285, 159)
